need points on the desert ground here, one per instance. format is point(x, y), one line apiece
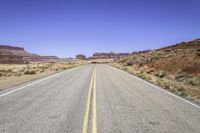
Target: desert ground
point(14, 74)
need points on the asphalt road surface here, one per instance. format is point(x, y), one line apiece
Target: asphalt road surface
point(91, 99)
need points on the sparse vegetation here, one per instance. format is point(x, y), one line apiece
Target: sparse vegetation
point(11, 74)
point(125, 69)
point(29, 72)
point(129, 63)
point(169, 84)
point(42, 71)
point(175, 68)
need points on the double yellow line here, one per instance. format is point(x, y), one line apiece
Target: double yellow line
point(91, 94)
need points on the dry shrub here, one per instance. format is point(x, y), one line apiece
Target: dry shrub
point(30, 72)
point(41, 71)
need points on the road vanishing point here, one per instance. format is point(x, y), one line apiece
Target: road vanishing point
point(95, 98)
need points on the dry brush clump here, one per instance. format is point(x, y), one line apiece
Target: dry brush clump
point(30, 72)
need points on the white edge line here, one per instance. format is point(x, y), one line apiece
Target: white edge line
point(43, 79)
point(158, 88)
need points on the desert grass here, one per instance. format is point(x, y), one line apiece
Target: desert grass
point(167, 82)
point(13, 74)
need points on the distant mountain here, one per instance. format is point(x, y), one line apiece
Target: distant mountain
point(17, 51)
point(18, 55)
point(110, 55)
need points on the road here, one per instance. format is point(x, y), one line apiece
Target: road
point(91, 99)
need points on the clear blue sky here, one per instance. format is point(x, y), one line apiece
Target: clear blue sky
point(68, 27)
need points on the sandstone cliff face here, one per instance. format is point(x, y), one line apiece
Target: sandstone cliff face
point(17, 55)
point(9, 50)
point(13, 55)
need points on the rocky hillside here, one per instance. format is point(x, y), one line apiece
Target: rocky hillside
point(175, 67)
point(17, 55)
point(183, 57)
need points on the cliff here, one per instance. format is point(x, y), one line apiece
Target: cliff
point(18, 55)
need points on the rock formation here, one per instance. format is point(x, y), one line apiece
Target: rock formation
point(110, 55)
point(81, 57)
point(17, 55)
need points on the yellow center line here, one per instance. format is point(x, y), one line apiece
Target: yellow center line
point(94, 120)
point(86, 116)
point(85, 122)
